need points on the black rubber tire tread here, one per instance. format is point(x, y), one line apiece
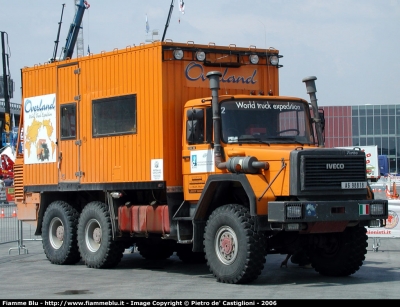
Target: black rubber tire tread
point(68, 253)
point(186, 255)
point(155, 249)
point(110, 252)
point(251, 245)
point(346, 258)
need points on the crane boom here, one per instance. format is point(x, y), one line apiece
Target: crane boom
point(74, 30)
point(58, 35)
point(168, 19)
point(6, 89)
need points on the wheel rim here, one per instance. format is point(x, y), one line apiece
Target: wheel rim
point(93, 235)
point(56, 233)
point(226, 246)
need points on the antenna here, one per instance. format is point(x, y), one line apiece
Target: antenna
point(266, 54)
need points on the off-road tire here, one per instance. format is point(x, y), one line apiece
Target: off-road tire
point(243, 258)
point(97, 248)
point(155, 248)
point(59, 238)
point(344, 253)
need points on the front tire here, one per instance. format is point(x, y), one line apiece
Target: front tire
point(97, 248)
point(234, 250)
point(342, 253)
point(59, 233)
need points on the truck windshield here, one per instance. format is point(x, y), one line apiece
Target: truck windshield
point(272, 121)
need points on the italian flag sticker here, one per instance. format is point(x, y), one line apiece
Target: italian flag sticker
point(363, 209)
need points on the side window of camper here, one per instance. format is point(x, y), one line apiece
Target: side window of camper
point(68, 121)
point(114, 116)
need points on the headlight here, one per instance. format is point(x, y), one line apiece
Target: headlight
point(200, 55)
point(116, 194)
point(178, 54)
point(377, 209)
point(293, 211)
point(253, 58)
point(274, 60)
point(375, 223)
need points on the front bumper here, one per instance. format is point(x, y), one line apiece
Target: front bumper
point(326, 211)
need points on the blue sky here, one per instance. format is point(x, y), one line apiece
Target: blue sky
point(351, 46)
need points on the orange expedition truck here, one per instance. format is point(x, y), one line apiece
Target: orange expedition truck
point(188, 149)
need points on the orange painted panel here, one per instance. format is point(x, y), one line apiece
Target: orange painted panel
point(161, 85)
point(38, 81)
point(28, 210)
point(68, 150)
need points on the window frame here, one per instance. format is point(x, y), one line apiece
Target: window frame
point(111, 101)
point(69, 137)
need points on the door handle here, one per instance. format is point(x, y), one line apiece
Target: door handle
point(59, 159)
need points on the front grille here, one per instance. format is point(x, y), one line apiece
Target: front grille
point(316, 175)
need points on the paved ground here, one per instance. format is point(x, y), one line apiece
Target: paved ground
point(31, 276)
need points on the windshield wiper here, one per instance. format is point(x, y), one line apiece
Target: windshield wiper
point(286, 139)
point(252, 140)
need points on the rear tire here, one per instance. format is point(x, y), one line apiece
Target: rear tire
point(98, 250)
point(59, 233)
point(342, 254)
point(234, 251)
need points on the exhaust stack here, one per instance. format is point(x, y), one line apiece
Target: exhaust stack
point(214, 76)
point(311, 90)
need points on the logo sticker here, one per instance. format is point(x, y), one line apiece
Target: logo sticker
point(392, 220)
point(311, 210)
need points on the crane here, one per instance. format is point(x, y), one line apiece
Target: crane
point(6, 89)
point(74, 30)
point(6, 152)
point(79, 41)
point(58, 36)
point(171, 7)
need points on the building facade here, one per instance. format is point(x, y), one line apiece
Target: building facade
point(364, 125)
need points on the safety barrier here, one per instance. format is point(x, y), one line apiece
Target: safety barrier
point(8, 223)
point(13, 230)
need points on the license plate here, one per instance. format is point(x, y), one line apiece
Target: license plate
point(354, 185)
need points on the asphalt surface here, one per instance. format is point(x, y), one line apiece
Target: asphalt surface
point(25, 273)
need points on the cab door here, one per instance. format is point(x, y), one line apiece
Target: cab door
point(198, 155)
point(68, 131)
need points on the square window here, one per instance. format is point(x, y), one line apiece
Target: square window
point(114, 116)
